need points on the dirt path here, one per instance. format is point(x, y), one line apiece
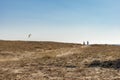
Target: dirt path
point(71, 51)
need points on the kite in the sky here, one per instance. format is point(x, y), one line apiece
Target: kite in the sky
point(29, 35)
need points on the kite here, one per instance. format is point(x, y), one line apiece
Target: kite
point(29, 35)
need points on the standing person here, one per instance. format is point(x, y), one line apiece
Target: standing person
point(83, 42)
point(87, 42)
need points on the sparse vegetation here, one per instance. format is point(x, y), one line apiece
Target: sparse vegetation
point(40, 61)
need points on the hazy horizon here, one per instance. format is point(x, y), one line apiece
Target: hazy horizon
point(75, 21)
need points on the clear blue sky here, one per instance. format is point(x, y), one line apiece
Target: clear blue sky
point(97, 21)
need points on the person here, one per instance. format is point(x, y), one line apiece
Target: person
point(87, 42)
point(83, 42)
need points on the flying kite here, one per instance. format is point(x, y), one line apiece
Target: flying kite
point(29, 35)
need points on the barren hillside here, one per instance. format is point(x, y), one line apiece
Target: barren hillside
point(22, 60)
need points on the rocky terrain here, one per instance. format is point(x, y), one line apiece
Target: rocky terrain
point(23, 60)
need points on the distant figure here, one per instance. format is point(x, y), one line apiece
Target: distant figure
point(83, 42)
point(87, 42)
point(29, 35)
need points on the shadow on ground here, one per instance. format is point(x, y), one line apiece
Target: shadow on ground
point(106, 64)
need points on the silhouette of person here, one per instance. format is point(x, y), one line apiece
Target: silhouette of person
point(87, 42)
point(83, 42)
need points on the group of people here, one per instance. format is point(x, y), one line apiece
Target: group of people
point(87, 43)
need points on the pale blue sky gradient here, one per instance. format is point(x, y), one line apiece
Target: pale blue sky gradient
point(97, 21)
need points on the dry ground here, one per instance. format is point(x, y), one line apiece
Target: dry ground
point(22, 60)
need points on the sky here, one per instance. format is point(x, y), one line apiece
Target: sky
point(96, 21)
